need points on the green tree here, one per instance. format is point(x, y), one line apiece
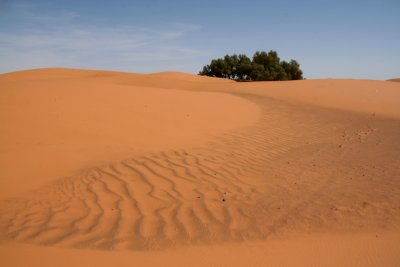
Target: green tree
point(273, 71)
point(293, 70)
point(206, 71)
point(218, 68)
point(230, 65)
point(257, 71)
point(264, 66)
point(243, 69)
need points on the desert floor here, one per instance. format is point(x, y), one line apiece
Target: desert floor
point(102, 168)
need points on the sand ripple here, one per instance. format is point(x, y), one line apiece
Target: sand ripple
point(278, 175)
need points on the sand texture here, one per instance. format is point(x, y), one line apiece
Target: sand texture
point(103, 168)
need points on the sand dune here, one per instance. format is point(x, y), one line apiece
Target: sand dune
point(394, 80)
point(159, 164)
point(56, 120)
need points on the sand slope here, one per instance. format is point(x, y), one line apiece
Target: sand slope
point(177, 162)
point(59, 121)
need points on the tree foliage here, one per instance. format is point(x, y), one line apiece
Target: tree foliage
point(265, 66)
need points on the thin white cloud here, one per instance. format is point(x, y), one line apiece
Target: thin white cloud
point(61, 42)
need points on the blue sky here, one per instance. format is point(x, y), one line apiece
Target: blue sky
point(338, 39)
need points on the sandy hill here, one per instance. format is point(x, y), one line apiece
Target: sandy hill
point(101, 168)
point(394, 80)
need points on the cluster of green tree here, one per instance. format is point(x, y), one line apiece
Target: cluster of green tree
point(265, 66)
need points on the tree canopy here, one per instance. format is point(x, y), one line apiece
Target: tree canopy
point(265, 66)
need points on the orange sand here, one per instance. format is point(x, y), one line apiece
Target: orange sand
point(104, 168)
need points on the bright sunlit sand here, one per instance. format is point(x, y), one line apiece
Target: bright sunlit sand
point(103, 168)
